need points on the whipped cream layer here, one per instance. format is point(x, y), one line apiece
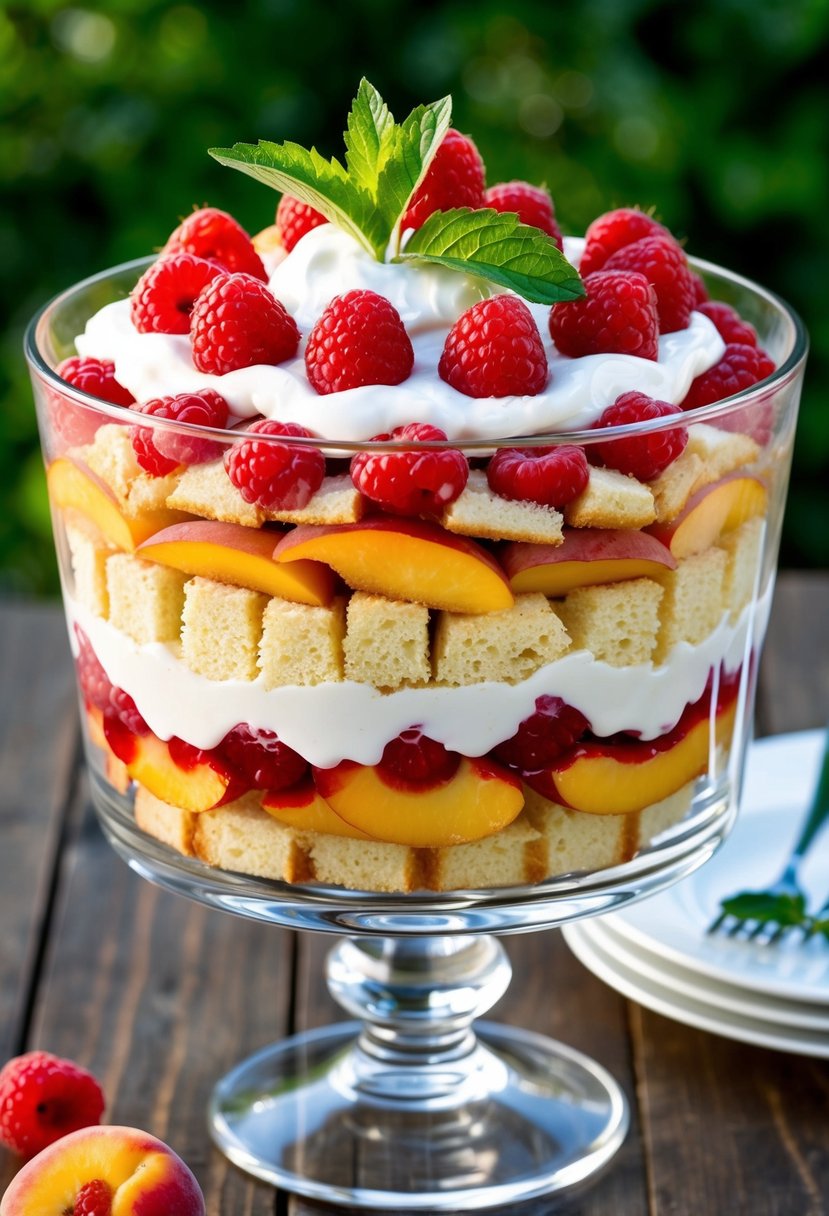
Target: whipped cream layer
point(327, 723)
point(328, 262)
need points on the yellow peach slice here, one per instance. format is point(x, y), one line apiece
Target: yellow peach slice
point(230, 553)
point(586, 557)
point(712, 510)
point(479, 800)
point(198, 787)
point(73, 485)
point(404, 560)
point(305, 808)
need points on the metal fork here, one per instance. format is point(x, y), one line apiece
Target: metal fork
point(765, 916)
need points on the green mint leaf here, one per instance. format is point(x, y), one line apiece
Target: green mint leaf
point(369, 137)
point(496, 246)
point(414, 144)
point(323, 184)
point(761, 906)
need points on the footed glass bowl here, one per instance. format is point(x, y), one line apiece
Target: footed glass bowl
point(410, 1107)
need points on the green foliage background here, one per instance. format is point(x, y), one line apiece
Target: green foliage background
point(714, 113)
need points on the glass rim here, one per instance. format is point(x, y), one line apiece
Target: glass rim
point(585, 436)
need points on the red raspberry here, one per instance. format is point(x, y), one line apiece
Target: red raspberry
point(415, 760)
point(276, 476)
point(729, 324)
point(43, 1097)
point(641, 456)
point(122, 706)
point(550, 476)
point(665, 266)
point(210, 233)
point(93, 680)
point(76, 425)
point(359, 339)
point(455, 178)
point(700, 290)
point(532, 204)
point(612, 231)
point(236, 322)
point(294, 219)
point(163, 298)
point(494, 349)
point(264, 762)
point(617, 315)
point(544, 736)
point(740, 367)
point(93, 1199)
point(411, 483)
point(159, 451)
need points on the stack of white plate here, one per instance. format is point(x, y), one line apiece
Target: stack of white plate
point(659, 954)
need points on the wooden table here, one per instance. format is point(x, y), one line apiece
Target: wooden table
point(158, 995)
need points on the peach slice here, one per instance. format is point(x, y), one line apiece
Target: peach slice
point(230, 553)
point(302, 806)
point(480, 799)
point(404, 560)
point(199, 784)
point(72, 484)
point(145, 1176)
point(603, 783)
point(587, 556)
point(716, 508)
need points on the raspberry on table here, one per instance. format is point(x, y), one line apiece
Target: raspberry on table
point(163, 298)
point(618, 314)
point(548, 476)
point(275, 476)
point(359, 339)
point(740, 367)
point(44, 1097)
point(455, 178)
point(641, 456)
point(237, 322)
point(416, 760)
point(415, 482)
point(74, 424)
point(612, 231)
point(294, 218)
point(544, 736)
point(262, 759)
point(159, 451)
point(93, 680)
point(532, 204)
point(494, 349)
point(210, 233)
point(665, 266)
point(729, 324)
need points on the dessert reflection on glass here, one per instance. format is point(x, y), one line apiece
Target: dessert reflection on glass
point(362, 628)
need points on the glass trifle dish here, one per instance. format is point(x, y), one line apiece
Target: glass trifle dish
point(417, 563)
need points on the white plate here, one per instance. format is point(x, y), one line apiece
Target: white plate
point(683, 984)
point(780, 774)
point(697, 1013)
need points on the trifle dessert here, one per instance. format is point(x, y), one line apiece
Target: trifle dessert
point(408, 545)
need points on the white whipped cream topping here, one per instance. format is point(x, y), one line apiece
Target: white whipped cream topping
point(328, 262)
point(327, 723)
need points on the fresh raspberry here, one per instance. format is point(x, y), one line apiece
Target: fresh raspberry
point(210, 233)
point(125, 710)
point(294, 219)
point(163, 298)
point(411, 483)
point(540, 739)
point(532, 204)
point(92, 678)
point(740, 367)
point(612, 231)
point(93, 1199)
point(264, 761)
point(76, 425)
point(729, 324)
point(550, 476)
point(494, 349)
point(159, 451)
point(665, 266)
point(413, 759)
point(43, 1097)
point(236, 322)
point(359, 339)
point(277, 476)
point(641, 456)
point(455, 178)
point(617, 315)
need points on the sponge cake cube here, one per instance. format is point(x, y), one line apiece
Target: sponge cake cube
point(206, 490)
point(617, 622)
point(145, 599)
point(386, 642)
point(693, 604)
point(301, 644)
point(479, 512)
point(611, 500)
point(222, 629)
point(506, 646)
